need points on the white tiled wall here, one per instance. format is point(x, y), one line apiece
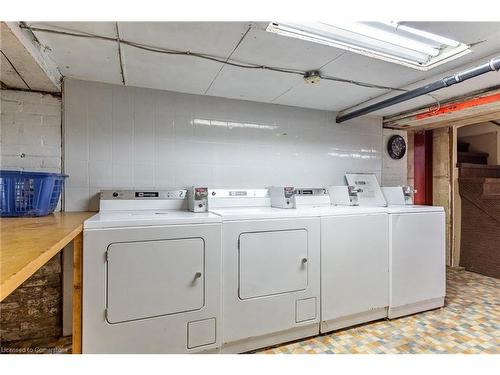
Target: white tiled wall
point(394, 172)
point(30, 137)
point(126, 137)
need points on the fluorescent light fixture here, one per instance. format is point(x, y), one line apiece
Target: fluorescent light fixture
point(389, 41)
point(425, 34)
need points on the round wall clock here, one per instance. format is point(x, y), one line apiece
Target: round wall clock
point(396, 147)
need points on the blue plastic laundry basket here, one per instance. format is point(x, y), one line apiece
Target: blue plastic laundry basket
point(29, 193)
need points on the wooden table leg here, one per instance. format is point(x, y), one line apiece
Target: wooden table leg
point(77, 293)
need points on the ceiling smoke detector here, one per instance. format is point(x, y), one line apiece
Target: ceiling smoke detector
point(312, 77)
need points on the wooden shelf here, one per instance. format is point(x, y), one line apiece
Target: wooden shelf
point(27, 243)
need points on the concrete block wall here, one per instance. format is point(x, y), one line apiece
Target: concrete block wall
point(30, 139)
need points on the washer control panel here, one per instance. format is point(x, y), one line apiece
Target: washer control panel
point(142, 194)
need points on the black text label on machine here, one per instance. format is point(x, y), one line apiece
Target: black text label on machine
point(238, 193)
point(147, 194)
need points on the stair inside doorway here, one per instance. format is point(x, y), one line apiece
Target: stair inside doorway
point(464, 155)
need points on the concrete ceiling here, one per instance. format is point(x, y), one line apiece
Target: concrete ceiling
point(99, 60)
point(18, 67)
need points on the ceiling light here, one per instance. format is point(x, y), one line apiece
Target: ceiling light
point(389, 41)
point(425, 34)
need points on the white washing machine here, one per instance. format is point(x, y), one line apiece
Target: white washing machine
point(417, 249)
point(271, 270)
point(417, 277)
point(354, 261)
point(151, 275)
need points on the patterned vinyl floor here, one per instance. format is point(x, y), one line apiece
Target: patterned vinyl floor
point(469, 323)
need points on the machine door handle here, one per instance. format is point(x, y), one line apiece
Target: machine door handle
point(304, 260)
point(197, 275)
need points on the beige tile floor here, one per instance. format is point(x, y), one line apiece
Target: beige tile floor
point(469, 323)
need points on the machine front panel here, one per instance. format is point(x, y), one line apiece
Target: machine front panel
point(272, 262)
point(153, 278)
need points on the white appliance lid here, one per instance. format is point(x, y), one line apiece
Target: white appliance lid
point(115, 219)
point(332, 210)
point(409, 208)
point(393, 195)
point(252, 213)
point(370, 193)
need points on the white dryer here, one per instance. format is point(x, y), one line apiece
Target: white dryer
point(417, 277)
point(151, 275)
point(354, 260)
point(271, 270)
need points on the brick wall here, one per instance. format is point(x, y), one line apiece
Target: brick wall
point(30, 139)
point(34, 310)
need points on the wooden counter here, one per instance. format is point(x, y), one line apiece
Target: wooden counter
point(26, 244)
